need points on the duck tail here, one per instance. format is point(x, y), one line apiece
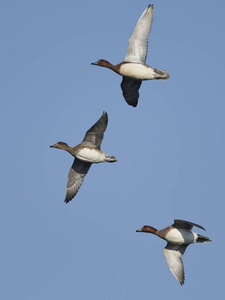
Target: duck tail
point(202, 239)
point(110, 158)
point(161, 74)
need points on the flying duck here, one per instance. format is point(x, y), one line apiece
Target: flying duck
point(85, 154)
point(133, 68)
point(178, 237)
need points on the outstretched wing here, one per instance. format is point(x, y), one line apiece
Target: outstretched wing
point(185, 224)
point(130, 89)
point(138, 42)
point(94, 136)
point(173, 254)
point(76, 176)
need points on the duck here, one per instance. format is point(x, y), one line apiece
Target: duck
point(178, 236)
point(133, 69)
point(86, 153)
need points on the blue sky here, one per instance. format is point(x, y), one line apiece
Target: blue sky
point(170, 150)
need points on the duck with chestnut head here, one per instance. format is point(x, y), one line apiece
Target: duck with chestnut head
point(178, 236)
point(134, 69)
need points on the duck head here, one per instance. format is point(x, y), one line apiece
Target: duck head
point(148, 229)
point(60, 145)
point(102, 63)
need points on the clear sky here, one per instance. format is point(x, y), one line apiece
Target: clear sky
point(170, 150)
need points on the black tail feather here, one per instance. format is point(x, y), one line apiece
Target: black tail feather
point(203, 239)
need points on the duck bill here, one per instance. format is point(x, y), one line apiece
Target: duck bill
point(53, 146)
point(95, 63)
point(139, 230)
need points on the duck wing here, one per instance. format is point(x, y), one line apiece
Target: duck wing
point(130, 89)
point(138, 42)
point(76, 176)
point(173, 254)
point(94, 136)
point(185, 224)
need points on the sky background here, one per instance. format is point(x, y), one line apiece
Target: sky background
point(170, 150)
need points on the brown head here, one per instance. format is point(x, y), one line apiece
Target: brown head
point(148, 229)
point(60, 145)
point(103, 63)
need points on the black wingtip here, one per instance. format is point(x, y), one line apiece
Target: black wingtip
point(67, 200)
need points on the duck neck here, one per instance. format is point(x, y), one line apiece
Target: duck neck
point(110, 66)
point(152, 230)
point(116, 68)
point(69, 149)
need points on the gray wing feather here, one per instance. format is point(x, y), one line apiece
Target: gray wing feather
point(173, 254)
point(76, 176)
point(138, 42)
point(94, 136)
point(185, 224)
point(130, 89)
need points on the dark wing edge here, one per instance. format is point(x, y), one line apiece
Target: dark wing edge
point(76, 176)
point(94, 136)
point(130, 89)
point(186, 224)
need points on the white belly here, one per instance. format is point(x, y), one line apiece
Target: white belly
point(181, 236)
point(91, 155)
point(137, 71)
